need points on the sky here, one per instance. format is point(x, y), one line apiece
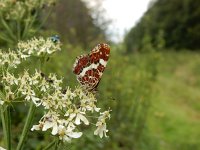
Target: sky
point(124, 15)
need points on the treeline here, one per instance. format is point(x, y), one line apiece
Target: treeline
point(171, 24)
point(74, 22)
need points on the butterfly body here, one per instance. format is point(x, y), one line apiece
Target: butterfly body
point(89, 68)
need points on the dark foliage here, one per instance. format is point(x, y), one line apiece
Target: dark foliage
point(175, 23)
point(74, 22)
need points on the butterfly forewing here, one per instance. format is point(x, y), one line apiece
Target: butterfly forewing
point(89, 68)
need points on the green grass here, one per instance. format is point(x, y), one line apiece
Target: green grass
point(175, 114)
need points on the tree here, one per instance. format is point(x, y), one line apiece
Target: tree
point(74, 22)
point(177, 21)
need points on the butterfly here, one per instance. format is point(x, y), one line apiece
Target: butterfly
point(89, 67)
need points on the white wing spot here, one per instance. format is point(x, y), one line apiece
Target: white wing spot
point(103, 62)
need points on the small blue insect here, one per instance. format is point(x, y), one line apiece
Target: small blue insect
point(55, 38)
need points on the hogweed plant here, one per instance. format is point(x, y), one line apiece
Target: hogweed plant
point(19, 19)
point(64, 109)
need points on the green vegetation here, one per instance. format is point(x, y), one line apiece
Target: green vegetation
point(174, 119)
point(19, 20)
point(169, 24)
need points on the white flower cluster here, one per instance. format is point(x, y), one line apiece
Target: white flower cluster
point(9, 59)
point(39, 46)
point(15, 9)
point(65, 109)
point(34, 47)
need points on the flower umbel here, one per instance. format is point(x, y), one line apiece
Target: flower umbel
point(39, 46)
point(15, 9)
point(65, 109)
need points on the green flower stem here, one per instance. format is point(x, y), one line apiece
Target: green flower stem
point(44, 20)
point(5, 38)
point(6, 123)
point(26, 27)
point(7, 28)
point(57, 144)
point(27, 125)
point(18, 30)
point(4, 126)
point(50, 145)
point(8, 126)
point(28, 23)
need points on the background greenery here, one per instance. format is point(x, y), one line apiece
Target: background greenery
point(172, 24)
point(151, 82)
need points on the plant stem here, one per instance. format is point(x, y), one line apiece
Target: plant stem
point(57, 144)
point(5, 38)
point(4, 125)
point(50, 145)
point(44, 20)
point(8, 126)
point(10, 32)
point(6, 122)
point(29, 23)
point(27, 125)
point(18, 30)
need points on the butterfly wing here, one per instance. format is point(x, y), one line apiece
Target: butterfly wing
point(89, 68)
point(99, 57)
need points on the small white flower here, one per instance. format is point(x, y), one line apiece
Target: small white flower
point(66, 134)
point(101, 130)
point(101, 124)
point(22, 55)
point(44, 85)
point(80, 117)
point(50, 121)
point(37, 127)
point(36, 101)
point(29, 93)
point(10, 58)
point(9, 78)
point(69, 94)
